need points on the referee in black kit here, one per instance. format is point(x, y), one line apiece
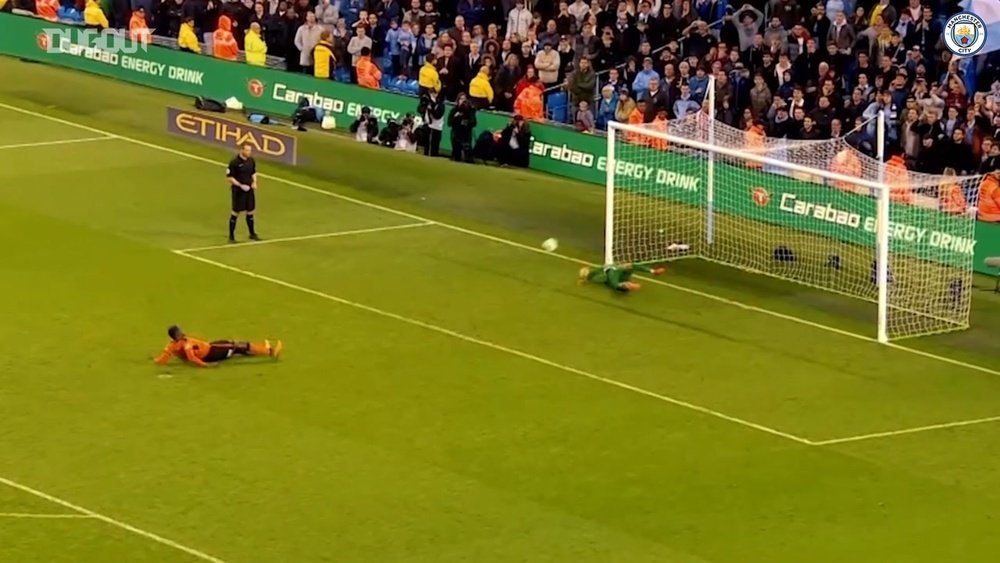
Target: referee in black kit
point(242, 175)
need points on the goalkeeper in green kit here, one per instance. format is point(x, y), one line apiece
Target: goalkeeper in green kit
point(618, 278)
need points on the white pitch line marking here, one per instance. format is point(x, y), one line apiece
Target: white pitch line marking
point(499, 348)
point(311, 237)
point(111, 521)
point(915, 430)
point(515, 244)
point(31, 515)
point(56, 143)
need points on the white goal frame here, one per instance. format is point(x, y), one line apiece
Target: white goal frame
point(616, 130)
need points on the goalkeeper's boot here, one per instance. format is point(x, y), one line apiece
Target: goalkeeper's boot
point(631, 286)
point(658, 271)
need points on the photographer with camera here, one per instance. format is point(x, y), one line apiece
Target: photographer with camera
point(462, 121)
point(515, 141)
point(431, 108)
point(365, 127)
point(406, 138)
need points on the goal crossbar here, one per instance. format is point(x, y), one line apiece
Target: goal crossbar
point(735, 153)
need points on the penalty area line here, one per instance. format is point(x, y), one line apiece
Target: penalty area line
point(905, 431)
point(501, 348)
point(508, 242)
point(110, 521)
point(333, 234)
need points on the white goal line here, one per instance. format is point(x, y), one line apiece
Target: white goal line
point(310, 237)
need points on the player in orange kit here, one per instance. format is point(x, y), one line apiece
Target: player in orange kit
point(203, 354)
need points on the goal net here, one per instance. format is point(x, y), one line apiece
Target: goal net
point(819, 213)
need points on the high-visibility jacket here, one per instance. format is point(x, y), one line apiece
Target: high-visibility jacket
point(847, 163)
point(656, 142)
point(323, 59)
point(255, 48)
point(93, 16)
point(47, 9)
point(138, 31)
point(429, 77)
point(529, 105)
point(989, 199)
point(187, 39)
point(951, 199)
point(899, 180)
point(223, 43)
point(755, 144)
point(636, 118)
point(480, 87)
point(369, 74)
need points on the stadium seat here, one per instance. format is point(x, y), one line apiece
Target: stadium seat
point(342, 74)
point(69, 14)
point(386, 82)
point(557, 107)
point(412, 87)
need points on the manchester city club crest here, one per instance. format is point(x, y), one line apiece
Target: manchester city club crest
point(965, 34)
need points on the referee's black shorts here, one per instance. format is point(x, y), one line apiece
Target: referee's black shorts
point(244, 201)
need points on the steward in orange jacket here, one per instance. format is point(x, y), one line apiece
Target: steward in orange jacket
point(659, 124)
point(223, 43)
point(637, 118)
point(529, 103)
point(369, 74)
point(898, 179)
point(989, 198)
point(755, 136)
point(47, 9)
point(951, 199)
point(138, 31)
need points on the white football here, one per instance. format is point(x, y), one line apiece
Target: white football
point(550, 245)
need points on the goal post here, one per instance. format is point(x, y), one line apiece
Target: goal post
point(818, 213)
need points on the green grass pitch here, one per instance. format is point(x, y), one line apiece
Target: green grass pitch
point(448, 394)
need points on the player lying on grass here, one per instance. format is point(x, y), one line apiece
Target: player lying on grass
point(618, 278)
point(204, 354)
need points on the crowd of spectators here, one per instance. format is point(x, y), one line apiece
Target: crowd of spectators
point(796, 69)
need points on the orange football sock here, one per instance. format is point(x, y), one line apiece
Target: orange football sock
point(259, 349)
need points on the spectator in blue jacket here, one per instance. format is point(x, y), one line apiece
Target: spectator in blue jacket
point(392, 46)
point(685, 103)
point(699, 84)
point(606, 106)
point(641, 82)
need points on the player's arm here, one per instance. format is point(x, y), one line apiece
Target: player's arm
point(648, 269)
point(164, 356)
point(192, 357)
point(253, 186)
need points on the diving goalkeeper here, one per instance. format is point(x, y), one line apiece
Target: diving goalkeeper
point(618, 278)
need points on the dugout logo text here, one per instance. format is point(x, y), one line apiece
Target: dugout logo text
point(218, 131)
